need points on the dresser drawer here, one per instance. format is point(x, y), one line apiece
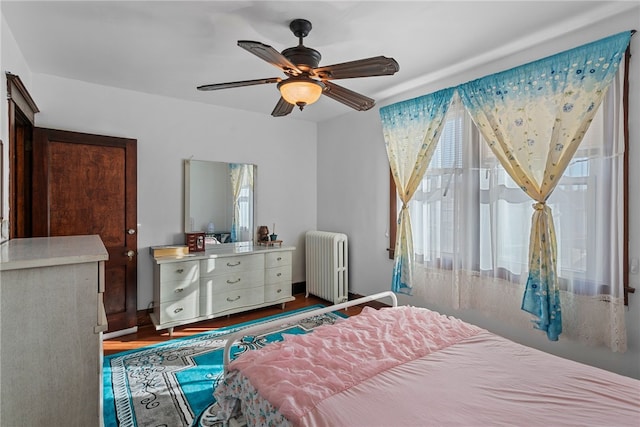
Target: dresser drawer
point(226, 265)
point(275, 292)
point(226, 282)
point(172, 291)
point(185, 308)
point(276, 259)
point(184, 271)
point(238, 299)
point(277, 275)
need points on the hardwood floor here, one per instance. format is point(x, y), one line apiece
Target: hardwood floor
point(147, 335)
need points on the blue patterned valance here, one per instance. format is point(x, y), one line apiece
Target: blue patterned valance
point(529, 102)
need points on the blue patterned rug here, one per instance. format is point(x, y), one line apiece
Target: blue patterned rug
point(171, 384)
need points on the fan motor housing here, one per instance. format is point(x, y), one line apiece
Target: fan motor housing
point(304, 57)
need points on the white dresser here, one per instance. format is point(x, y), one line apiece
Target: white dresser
point(225, 279)
point(51, 319)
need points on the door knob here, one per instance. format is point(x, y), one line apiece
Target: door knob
point(130, 254)
point(131, 231)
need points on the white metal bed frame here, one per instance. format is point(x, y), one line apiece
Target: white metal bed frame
point(253, 330)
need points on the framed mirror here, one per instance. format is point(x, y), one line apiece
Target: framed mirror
point(219, 200)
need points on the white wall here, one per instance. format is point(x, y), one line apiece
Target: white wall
point(353, 196)
point(353, 193)
point(11, 60)
point(168, 131)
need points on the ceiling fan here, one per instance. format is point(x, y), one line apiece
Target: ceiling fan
point(305, 81)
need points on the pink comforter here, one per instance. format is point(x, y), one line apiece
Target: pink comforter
point(368, 344)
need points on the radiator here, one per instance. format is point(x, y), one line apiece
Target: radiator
point(327, 265)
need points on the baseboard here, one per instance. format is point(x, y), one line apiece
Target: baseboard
point(376, 304)
point(299, 288)
point(143, 317)
point(115, 334)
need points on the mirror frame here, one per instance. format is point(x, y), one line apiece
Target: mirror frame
point(188, 194)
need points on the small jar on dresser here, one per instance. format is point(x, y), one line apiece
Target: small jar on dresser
point(223, 280)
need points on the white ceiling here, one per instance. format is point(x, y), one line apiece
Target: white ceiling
point(170, 47)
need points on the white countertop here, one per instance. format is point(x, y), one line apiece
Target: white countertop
point(17, 254)
point(225, 250)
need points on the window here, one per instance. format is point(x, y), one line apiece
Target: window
point(469, 214)
point(245, 208)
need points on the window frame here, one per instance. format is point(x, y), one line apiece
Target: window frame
point(393, 194)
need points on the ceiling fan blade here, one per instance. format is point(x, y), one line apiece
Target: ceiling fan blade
point(282, 108)
point(348, 97)
point(376, 66)
point(270, 55)
point(217, 86)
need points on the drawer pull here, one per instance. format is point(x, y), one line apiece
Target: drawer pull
point(279, 258)
point(231, 282)
point(178, 310)
point(279, 290)
point(177, 291)
point(279, 274)
point(233, 299)
point(233, 265)
point(180, 270)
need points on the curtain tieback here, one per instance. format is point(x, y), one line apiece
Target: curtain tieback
point(539, 206)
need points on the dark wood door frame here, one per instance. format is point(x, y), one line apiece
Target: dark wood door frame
point(21, 111)
point(119, 266)
point(29, 203)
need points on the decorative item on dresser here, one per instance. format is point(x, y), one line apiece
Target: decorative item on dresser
point(195, 241)
point(224, 279)
point(268, 239)
point(263, 233)
point(169, 250)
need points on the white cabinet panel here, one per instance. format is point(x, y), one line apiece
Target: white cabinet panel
point(277, 259)
point(179, 281)
point(52, 321)
point(226, 280)
point(238, 299)
point(182, 309)
point(226, 265)
point(183, 271)
point(274, 293)
point(278, 275)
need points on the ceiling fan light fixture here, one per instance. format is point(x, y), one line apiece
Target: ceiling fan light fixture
point(300, 92)
point(305, 81)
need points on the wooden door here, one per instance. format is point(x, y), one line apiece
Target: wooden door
point(86, 184)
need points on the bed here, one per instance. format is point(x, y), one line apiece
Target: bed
point(409, 366)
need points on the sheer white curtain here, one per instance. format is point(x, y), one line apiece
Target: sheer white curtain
point(241, 176)
point(591, 273)
point(471, 225)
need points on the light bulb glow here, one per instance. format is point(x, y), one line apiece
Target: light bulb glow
point(301, 92)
